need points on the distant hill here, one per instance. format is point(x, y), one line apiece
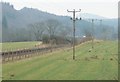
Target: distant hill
point(90, 16)
point(25, 16)
point(14, 19)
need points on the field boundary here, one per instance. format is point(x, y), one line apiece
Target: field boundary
point(27, 53)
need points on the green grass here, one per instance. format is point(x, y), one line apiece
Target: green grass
point(59, 65)
point(17, 45)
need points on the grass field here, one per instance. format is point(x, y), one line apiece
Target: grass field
point(17, 45)
point(97, 64)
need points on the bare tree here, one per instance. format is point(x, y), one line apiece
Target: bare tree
point(38, 30)
point(66, 32)
point(52, 26)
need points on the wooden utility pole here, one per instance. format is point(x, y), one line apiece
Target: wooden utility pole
point(92, 33)
point(74, 19)
point(93, 30)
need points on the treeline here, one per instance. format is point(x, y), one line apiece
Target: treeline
point(30, 24)
point(46, 31)
point(53, 31)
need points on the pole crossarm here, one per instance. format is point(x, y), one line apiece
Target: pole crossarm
point(73, 10)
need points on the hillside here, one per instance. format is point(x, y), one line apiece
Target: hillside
point(26, 16)
point(17, 20)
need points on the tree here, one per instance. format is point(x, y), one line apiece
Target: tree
point(45, 39)
point(38, 30)
point(52, 26)
point(65, 33)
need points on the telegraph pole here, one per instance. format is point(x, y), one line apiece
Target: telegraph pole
point(93, 20)
point(74, 19)
point(93, 30)
point(92, 33)
point(101, 28)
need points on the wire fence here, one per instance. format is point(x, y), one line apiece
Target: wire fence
point(27, 53)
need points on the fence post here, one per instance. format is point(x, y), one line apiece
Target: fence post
point(3, 57)
point(12, 55)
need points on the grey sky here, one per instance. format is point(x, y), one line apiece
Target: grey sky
point(105, 8)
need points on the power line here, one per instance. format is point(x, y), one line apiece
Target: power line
point(74, 19)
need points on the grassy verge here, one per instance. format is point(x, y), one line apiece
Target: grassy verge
point(17, 45)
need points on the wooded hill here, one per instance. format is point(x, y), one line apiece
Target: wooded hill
point(29, 24)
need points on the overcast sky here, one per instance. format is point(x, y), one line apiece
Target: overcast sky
point(105, 8)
